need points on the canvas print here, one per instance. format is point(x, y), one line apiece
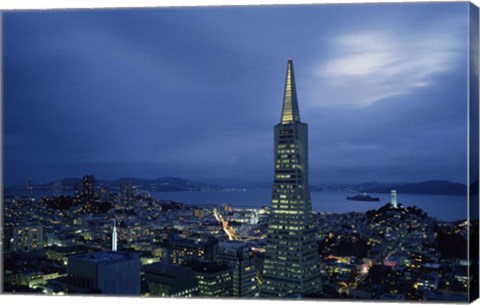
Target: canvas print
point(303, 152)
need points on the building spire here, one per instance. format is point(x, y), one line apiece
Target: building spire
point(114, 236)
point(290, 111)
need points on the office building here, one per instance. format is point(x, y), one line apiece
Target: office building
point(88, 186)
point(57, 188)
point(291, 267)
point(27, 238)
point(78, 189)
point(110, 273)
point(214, 280)
point(236, 255)
point(181, 250)
point(104, 194)
point(168, 280)
point(126, 194)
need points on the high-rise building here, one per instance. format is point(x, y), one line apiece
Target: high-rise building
point(236, 255)
point(30, 188)
point(104, 194)
point(111, 272)
point(78, 188)
point(214, 280)
point(126, 193)
point(27, 238)
point(58, 188)
point(88, 184)
point(291, 266)
point(181, 250)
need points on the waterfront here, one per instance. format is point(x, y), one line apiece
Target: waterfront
point(442, 207)
point(353, 249)
point(448, 208)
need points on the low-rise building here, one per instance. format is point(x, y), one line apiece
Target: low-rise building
point(112, 273)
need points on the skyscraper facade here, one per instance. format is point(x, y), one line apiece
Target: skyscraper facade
point(236, 254)
point(181, 250)
point(168, 280)
point(88, 184)
point(58, 188)
point(126, 194)
point(27, 238)
point(214, 280)
point(291, 266)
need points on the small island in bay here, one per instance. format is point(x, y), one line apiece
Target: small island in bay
point(363, 197)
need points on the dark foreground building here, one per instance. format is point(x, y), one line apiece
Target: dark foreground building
point(168, 280)
point(291, 267)
point(110, 273)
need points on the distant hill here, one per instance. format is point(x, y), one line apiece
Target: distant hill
point(174, 184)
point(428, 187)
point(166, 184)
point(163, 184)
point(433, 187)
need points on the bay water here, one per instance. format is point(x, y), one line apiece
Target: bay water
point(442, 207)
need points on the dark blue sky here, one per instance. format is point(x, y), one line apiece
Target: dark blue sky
point(195, 93)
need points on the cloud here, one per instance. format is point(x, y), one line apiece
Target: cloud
point(366, 67)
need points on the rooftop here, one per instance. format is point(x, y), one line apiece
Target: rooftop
point(106, 256)
point(206, 267)
point(232, 244)
point(164, 267)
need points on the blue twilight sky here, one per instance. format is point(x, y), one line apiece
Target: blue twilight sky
point(195, 92)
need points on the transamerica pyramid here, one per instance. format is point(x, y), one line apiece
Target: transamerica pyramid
point(291, 266)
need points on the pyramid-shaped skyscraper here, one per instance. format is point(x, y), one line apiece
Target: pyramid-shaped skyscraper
point(291, 266)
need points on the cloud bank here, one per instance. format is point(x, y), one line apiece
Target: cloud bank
point(366, 67)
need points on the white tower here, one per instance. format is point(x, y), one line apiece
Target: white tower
point(394, 199)
point(114, 237)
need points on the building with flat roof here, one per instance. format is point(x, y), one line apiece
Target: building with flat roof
point(181, 250)
point(27, 238)
point(236, 254)
point(88, 186)
point(214, 280)
point(111, 272)
point(168, 280)
point(126, 194)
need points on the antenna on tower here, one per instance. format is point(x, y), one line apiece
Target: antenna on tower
point(114, 236)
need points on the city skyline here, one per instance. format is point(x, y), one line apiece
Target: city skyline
point(137, 93)
point(193, 93)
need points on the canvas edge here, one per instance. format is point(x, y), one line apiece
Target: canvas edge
point(473, 151)
point(1, 156)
